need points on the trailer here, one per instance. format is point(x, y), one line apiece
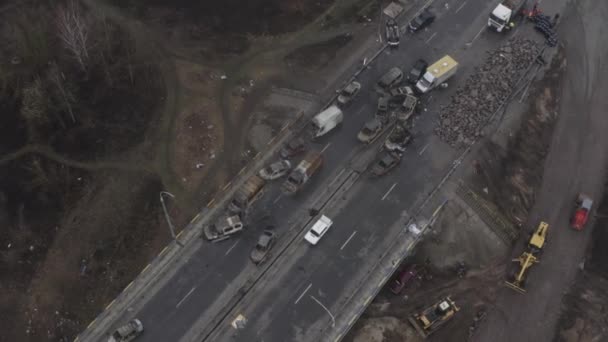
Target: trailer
point(302, 173)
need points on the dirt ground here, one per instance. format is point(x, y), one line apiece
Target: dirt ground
point(71, 245)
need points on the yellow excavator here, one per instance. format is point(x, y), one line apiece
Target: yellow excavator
point(517, 281)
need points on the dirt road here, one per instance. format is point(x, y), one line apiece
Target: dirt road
point(576, 162)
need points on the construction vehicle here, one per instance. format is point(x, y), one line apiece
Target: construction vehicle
point(302, 173)
point(517, 280)
point(502, 16)
point(247, 194)
point(584, 204)
point(436, 74)
point(223, 228)
point(433, 317)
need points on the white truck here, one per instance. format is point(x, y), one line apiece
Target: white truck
point(437, 73)
point(504, 13)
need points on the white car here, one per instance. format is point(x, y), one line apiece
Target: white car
point(318, 230)
point(275, 170)
point(127, 332)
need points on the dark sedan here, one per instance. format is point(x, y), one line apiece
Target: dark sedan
point(417, 71)
point(424, 19)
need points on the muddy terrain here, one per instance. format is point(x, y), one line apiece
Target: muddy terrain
point(94, 129)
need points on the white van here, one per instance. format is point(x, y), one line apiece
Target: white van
point(318, 230)
point(326, 121)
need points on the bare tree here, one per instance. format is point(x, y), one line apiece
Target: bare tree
point(74, 32)
point(58, 79)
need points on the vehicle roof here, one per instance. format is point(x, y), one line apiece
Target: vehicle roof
point(392, 73)
point(387, 159)
point(322, 223)
point(327, 115)
point(426, 13)
point(279, 165)
point(372, 124)
point(265, 238)
point(441, 66)
point(501, 11)
point(352, 86)
point(587, 203)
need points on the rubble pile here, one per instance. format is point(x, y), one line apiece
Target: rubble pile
point(463, 119)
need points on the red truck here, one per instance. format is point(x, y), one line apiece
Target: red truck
point(584, 204)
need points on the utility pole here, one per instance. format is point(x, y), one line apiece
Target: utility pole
point(171, 229)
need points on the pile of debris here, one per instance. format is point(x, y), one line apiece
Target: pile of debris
point(462, 121)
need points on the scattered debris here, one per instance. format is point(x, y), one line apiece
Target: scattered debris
point(462, 121)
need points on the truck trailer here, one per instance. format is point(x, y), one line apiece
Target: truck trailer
point(437, 73)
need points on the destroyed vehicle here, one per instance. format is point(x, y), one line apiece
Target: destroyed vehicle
point(400, 93)
point(424, 19)
point(348, 93)
point(250, 191)
point(275, 170)
point(302, 173)
point(392, 78)
point(127, 332)
point(417, 71)
point(382, 106)
point(263, 247)
point(404, 278)
point(386, 162)
point(392, 33)
point(405, 112)
point(326, 121)
point(370, 131)
point(223, 228)
point(398, 139)
point(292, 148)
point(433, 317)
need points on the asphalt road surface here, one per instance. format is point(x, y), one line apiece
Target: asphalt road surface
point(576, 163)
point(306, 287)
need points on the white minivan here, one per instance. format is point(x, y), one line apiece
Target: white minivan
point(318, 230)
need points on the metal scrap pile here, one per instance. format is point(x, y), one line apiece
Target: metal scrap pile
point(463, 119)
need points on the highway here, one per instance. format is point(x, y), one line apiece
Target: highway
point(297, 295)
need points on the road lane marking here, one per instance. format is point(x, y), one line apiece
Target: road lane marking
point(476, 36)
point(423, 149)
point(388, 192)
point(461, 6)
point(111, 303)
point(431, 38)
point(186, 296)
point(303, 293)
point(348, 240)
point(230, 249)
point(325, 148)
point(241, 171)
point(333, 319)
point(335, 179)
point(276, 200)
point(197, 216)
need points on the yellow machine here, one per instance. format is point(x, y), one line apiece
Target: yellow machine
point(517, 281)
point(433, 317)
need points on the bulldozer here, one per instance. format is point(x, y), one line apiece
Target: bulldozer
point(433, 317)
point(517, 281)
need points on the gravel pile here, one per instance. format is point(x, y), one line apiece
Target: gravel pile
point(462, 120)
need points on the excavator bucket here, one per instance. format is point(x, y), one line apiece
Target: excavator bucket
point(515, 286)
